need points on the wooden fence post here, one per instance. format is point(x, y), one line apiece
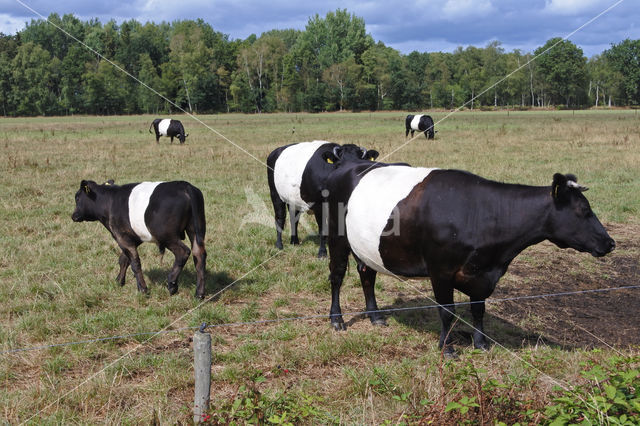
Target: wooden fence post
point(202, 370)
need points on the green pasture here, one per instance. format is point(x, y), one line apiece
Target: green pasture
point(58, 277)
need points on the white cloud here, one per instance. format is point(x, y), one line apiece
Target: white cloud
point(10, 25)
point(573, 7)
point(460, 9)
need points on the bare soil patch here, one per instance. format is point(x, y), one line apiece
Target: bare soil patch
point(583, 320)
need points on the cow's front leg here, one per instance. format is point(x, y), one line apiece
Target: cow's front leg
point(321, 220)
point(339, 250)
point(132, 253)
point(477, 312)
point(124, 262)
point(368, 280)
point(443, 292)
point(181, 253)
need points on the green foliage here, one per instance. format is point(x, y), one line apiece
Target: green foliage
point(250, 406)
point(332, 65)
point(610, 395)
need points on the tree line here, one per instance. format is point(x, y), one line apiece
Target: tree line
point(333, 64)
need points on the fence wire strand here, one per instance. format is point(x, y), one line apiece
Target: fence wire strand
point(318, 316)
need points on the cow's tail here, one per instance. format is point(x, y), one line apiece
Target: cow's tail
point(197, 214)
point(150, 127)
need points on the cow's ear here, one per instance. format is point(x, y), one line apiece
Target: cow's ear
point(329, 157)
point(372, 154)
point(84, 186)
point(559, 187)
point(109, 182)
point(88, 187)
point(185, 136)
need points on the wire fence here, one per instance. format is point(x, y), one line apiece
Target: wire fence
point(389, 311)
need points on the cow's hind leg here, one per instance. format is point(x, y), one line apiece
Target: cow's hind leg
point(294, 218)
point(339, 249)
point(181, 252)
point(124, 262)
point(200, 262)
point(443, 292)
point(280, 215)
point(368, 280)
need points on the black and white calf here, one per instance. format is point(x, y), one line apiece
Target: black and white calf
point(422, 123)
point(457, 228)
point(296, 175)
point(168, 127)
point(158, 212)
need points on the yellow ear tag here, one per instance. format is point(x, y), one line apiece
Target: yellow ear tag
point(556, 192)
point(86, 189)
point(371, 159)
point(329, 160)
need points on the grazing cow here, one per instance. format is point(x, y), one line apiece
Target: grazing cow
point(168, 127)
point(422, 123)
point(296, 175)
point(159, 212)
point(457, 228)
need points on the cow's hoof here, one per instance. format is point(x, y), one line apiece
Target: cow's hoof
point(279, 245)
point(144, 291)
point(173, 288)
point(482, 346)
point(380, 322)
point(449, 353)
point(322, 254)
point(200, 296)
point(295, 242)
point(119, 281)
point(339, 326)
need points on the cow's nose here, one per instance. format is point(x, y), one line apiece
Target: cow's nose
point(612, 245)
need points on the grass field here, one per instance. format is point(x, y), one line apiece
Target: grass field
point(58, 282)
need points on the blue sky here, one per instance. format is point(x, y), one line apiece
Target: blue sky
point(422, 25)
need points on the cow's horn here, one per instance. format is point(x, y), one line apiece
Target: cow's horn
point(576, 185)
point(335, 151)
point(364, 153)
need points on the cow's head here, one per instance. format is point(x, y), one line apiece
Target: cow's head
point(182, 136)
point(86, 202)
point(572, 223)
point(349, 152)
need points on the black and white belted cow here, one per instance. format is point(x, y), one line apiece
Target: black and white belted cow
point(457, 228)
point(421, 123)
point(159, 212)
point(296, 175)
point(168, 127)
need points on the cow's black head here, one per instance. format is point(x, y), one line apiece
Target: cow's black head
point(85, 202)
point(182, 137)
point(572, 223)
point(349, 152)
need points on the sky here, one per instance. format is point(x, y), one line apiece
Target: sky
point(410, 25)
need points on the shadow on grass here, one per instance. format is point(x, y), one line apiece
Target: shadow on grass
point(420, 314)
point(214, 280)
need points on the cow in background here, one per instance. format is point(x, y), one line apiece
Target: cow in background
point(158, 212)
point(296, 175)
point(422, 123)
point(169, 128)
